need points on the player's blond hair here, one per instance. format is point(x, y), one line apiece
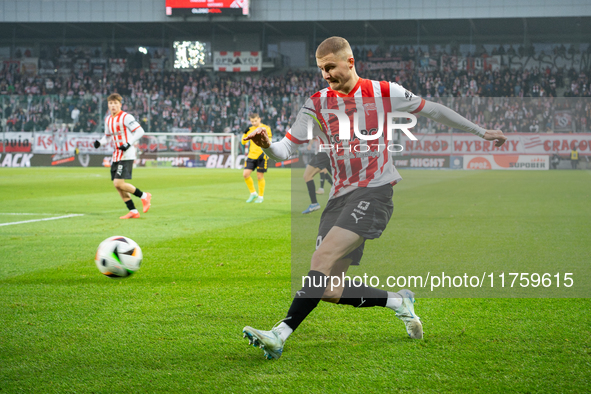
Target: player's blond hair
point(115, 97)
point(334, 45)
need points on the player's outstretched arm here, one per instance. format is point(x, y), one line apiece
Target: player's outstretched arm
point(449, 117)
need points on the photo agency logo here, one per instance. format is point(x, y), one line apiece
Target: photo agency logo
point(343, 141)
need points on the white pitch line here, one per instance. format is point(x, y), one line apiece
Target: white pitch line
point(30, 214)
point(40, 220)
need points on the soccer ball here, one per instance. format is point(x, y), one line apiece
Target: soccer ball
point(118, 257)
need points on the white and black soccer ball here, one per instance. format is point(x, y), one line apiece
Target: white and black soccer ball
point(118, 257)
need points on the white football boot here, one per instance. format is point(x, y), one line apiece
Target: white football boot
point(406, 313)
point(269, 341)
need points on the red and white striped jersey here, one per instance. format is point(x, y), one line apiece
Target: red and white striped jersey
point(356, 162)
point(123, 128)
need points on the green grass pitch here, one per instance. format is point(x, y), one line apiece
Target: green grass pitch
point(213, 264)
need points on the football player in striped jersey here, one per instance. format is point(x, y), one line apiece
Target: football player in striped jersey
point(360, 202)
point(125, 131)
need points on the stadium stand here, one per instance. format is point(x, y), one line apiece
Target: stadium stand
point(69, 81)
point(202, 102)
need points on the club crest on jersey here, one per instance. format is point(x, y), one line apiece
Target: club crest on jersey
point(369, 107)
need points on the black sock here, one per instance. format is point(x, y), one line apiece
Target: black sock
point(362, 296)
point(306, 299)
point(130, 204)
point(138, 193)
point(328, 178)
point(312, 191)
point(322, 180)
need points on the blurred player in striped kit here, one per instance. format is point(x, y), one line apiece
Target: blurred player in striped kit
point(320, 163)
point(125, 131)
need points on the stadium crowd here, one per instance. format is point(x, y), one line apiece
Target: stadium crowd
point(202, 101)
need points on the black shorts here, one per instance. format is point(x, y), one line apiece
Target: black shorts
point(365, 211)
point(259, 163)
point(320, 160)
point(121, 169)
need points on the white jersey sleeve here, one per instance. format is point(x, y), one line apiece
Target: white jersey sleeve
point(134, 128)
point(307, 125)
point(281, 150)
point(404, 101)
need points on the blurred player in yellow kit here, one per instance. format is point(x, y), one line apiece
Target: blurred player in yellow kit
point(256, 159)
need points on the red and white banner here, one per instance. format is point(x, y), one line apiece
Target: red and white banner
point(117, 65)
point(240, 61)
point(66, 143)
point(29, 65)
point(63, 143)
point(506, 162)
point(184, 143)
point(517, 143)
point(394, 64)
point(30, 149)
point(11, 66)
point(453, 63)
point(16, 142)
